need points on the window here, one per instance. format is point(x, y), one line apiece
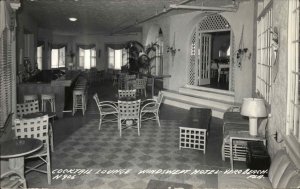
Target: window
point(5, 76)
point(39, 56)
point(117, 58)
point(58, 59)
point(293, 124)
point(264, 50)
point(87, 58)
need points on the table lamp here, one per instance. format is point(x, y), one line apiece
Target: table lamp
point(253, 108)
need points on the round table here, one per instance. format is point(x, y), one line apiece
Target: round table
point(16, 149)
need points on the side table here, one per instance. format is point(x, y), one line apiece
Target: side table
point(241, 135)
point(16, 149)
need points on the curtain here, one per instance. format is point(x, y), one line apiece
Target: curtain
point(114, 46)
point(58, 46)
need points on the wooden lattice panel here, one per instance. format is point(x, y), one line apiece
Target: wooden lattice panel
point(192, 69)
point(239, 150)
point(192, 138)
point(213, 22)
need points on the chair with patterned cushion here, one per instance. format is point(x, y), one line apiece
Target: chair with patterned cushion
point(129, 115)
point(140, 86)
point(30, 108)
point(27, 108)
point(106, 108)
point(123, 94)
point(36, 128)
point(151, 107)
point(12, 179)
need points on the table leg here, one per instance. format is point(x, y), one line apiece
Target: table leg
point(231, 153)
point(219, 73)
point(17, 165)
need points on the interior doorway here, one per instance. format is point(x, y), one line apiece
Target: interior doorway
point(211, 60)
point(215, 58)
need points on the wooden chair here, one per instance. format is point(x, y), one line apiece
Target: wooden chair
point(140, 86)
point(129, 115)
point(11, 179)
point(151, 106)
point(36, 128)
point(127, 94)
point(106, 108)
point(33, 107)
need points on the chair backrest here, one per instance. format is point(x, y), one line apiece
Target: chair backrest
point(159, 97)
point(159, 100)
point(96, 98)
point(127, 93)
point(130, 77)
point(140, 83)
point(129, 109)
point(27, 108)
point(32, 128)
point(30, 98)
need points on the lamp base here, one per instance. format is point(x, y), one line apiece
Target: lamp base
point(253, 126)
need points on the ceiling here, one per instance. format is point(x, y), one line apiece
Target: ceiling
point(100, 16)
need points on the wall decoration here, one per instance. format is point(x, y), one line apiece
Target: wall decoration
point(275, 48)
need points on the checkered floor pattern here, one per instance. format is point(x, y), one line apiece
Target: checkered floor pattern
point(156, 148)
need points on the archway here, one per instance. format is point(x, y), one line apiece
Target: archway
point(155, 36)
point(211, 54)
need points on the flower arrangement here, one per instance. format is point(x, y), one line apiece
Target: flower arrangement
point(240, 54)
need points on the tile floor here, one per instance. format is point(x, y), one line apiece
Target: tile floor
point(80, 145)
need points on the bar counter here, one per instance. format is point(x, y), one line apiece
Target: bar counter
point(61, 85)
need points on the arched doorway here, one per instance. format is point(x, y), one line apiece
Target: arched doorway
point(155, 35)
point(211, 54)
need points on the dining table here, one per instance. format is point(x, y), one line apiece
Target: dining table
point(16, 149)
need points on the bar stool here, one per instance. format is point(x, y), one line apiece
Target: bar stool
point(48, 98)
point(79, 100)
point(30, 98)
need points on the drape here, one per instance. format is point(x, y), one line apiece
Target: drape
point(115, 46)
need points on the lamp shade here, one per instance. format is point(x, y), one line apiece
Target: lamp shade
point(253, 107)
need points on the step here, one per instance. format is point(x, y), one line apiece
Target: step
point(186, 102)
point(198, 100)
point(209, 95)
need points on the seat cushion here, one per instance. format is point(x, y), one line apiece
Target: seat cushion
point(241, 181)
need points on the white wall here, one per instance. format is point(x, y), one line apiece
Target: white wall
point(182, 25)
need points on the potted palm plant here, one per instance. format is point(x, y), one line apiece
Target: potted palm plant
point(140, 57)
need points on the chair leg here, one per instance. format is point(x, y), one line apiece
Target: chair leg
point(100, 122)
point(120, 127)
point(51, 137)
point(138, 126)
point(157, 118)
point(48, 169)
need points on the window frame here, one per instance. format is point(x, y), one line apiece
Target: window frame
point(83, 65)
point(59, 55)
point(124, 57)
point(264, 51)
point(293, 101)
point(39, 59)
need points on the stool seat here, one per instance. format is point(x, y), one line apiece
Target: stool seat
point(30, 98)
point(79, 99)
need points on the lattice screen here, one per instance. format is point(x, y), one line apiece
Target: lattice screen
point(213, 22)
point(192, 63)
point(232, 67)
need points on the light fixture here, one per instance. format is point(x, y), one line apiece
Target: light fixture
point(73, 19)
point(253, 108)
